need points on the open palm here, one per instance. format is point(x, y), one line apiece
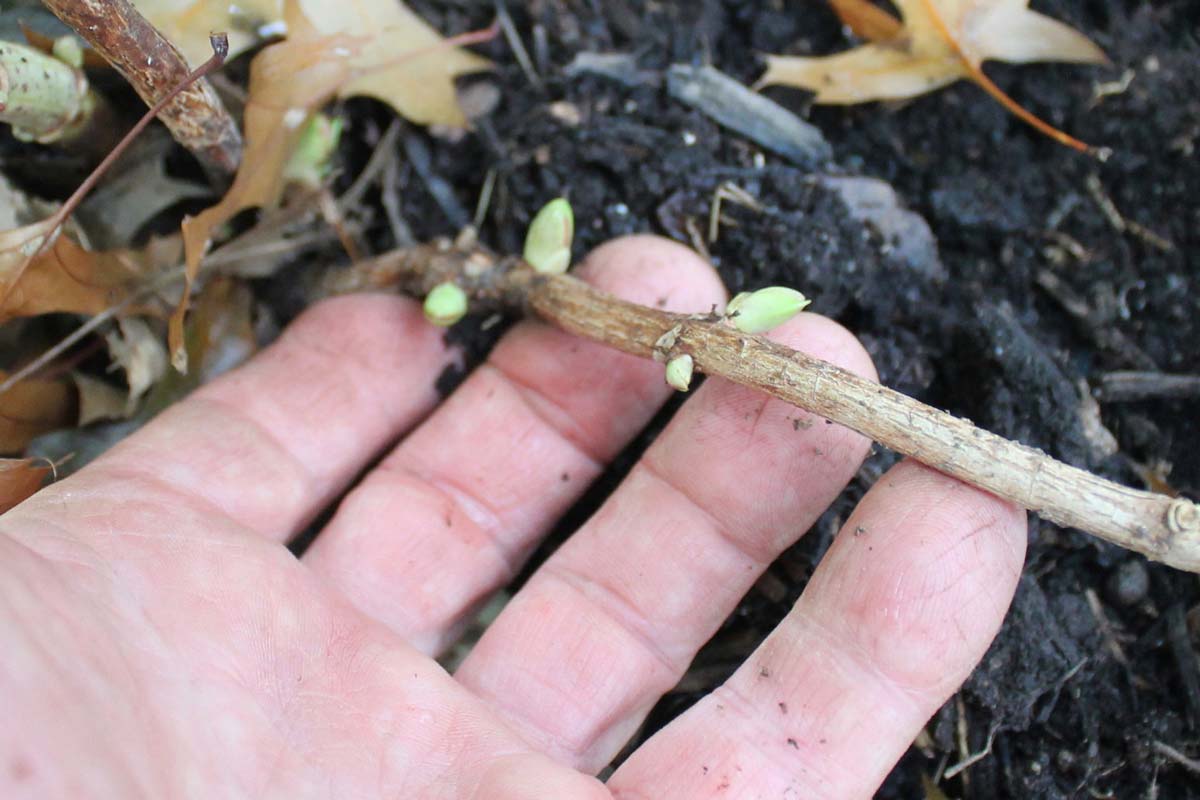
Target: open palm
point(160, 640)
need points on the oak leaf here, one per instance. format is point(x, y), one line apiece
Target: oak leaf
point(65, 277)
point(187, 23)
point(937, 43)
point(357, 47)
point(397, 58)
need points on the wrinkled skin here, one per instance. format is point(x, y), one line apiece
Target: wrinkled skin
point(160, 640)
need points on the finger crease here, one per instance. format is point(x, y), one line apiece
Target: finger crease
point(851, 653)
point(467, 504)
point(300, 472)
point(722, 530)
point(618, 608)
point(563, 423)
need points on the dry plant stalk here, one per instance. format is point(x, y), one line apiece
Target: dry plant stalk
point(1162, 528)
point(154, 67)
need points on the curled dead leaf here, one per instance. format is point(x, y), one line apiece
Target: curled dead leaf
point(98, 400)
point(936, 43)
point(32, 408)
point(361, 47)
point(65, 276)
point(20, 478)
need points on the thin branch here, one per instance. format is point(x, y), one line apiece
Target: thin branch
point(244, 248)
point(154, 67)
point(1163, 528)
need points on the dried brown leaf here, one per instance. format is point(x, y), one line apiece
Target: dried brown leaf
point(32, 408)
point(939, 42)
point(20, 478)
point(866, 19)
point(66, 277)
point(398, 59)
point(360, 47)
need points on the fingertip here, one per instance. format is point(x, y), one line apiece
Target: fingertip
point(922, 574)
point(654, 271)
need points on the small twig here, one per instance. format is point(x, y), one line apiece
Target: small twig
point(1186, 659)
point(1163, 528)
point(1119, 222)
point(518, 47)
point(389, 196)
point(1164, 749)
point(1106, 627)
point(1124, 386)
point(383, 154)
point(972, 759)
point(154, 67)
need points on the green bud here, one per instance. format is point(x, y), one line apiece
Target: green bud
point(759, 312)
point(735, 302)
point(445, 305)
point(310, 160)
point(679, 372)
point(548, 243)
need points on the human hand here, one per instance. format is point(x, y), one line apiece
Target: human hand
point(160, 640)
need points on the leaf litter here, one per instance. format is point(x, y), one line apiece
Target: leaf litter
point(375, 48)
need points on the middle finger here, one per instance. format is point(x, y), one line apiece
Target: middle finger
point(450, 515)
point(611, 621)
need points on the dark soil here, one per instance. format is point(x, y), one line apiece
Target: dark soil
point(1031, 297)
point(1038, 295)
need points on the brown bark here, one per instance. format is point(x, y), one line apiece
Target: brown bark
point(1163, 528)
point(153, 66)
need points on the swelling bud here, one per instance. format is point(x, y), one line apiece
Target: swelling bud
point(679, 373)
point(548, 242)
point(445, 305)
point(759, 312)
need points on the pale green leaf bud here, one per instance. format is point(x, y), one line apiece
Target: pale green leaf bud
point(311, 159)
point(548, 243)
point(679, 372)
point(759, 312)
point(445, 305)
